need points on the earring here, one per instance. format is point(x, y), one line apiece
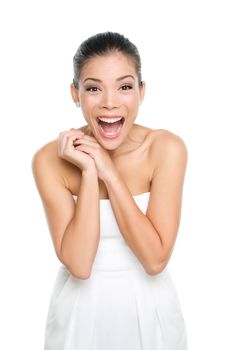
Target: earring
point(78, 104)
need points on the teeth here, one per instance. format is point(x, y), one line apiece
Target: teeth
point(110, 120)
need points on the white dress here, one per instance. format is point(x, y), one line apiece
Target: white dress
point(120, 306)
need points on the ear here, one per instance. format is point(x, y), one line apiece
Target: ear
point(74, 93)
point(142, 90)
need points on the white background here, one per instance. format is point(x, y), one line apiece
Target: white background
point(186, 51)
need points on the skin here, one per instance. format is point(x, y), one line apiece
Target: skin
point(82, 163)
point(110, 97)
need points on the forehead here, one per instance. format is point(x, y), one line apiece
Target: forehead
point(113, 65)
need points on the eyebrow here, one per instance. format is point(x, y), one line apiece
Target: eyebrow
point(118, 79)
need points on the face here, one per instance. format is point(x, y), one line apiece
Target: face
point(109, 96)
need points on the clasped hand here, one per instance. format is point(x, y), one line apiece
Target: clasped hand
point(85, 152)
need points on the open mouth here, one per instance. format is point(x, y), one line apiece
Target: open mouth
point(110, 127)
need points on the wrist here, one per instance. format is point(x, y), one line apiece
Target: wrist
point(90, 172)
point(111, 178)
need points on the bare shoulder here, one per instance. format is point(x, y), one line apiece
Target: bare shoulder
point(47, 164)
point(47, 151)
point(162, 137)
point(46, 156)
point(155, 139)
point(164, 144)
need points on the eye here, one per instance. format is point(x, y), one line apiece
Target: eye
point(92, 89)
point(126, 87)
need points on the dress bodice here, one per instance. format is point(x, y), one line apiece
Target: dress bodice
point(113, 251)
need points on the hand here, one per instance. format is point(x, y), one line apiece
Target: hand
point(103, 162)
point(67, 150)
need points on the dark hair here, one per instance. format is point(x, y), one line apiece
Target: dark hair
point(102, 44)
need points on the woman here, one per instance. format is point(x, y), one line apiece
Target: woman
point(112, 193)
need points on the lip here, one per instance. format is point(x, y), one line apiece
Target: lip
point(109, 137)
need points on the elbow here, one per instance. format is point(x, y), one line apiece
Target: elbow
point(157, 268)
point(79, 275)
point(74, 271)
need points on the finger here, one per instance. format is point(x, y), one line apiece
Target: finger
point(86, 149)
point(69, 142)
point(63, 138)
point(92, 140)
point(78, 130)
point(85, 141)
point(72, 136)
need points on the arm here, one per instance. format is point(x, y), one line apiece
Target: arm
point(81, 237)
point(152, 236)
point(75, 236)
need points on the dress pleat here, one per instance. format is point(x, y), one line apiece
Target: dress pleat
point(120, 306)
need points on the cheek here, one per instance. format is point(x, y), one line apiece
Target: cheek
point(89, 101)
point(132, 102)
point(126, 98)
point(88, 105)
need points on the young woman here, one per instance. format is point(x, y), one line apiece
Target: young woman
point(112, 193)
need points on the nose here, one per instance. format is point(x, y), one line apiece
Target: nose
point(109, 100)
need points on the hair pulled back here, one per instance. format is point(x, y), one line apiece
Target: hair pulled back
point(102, 44)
